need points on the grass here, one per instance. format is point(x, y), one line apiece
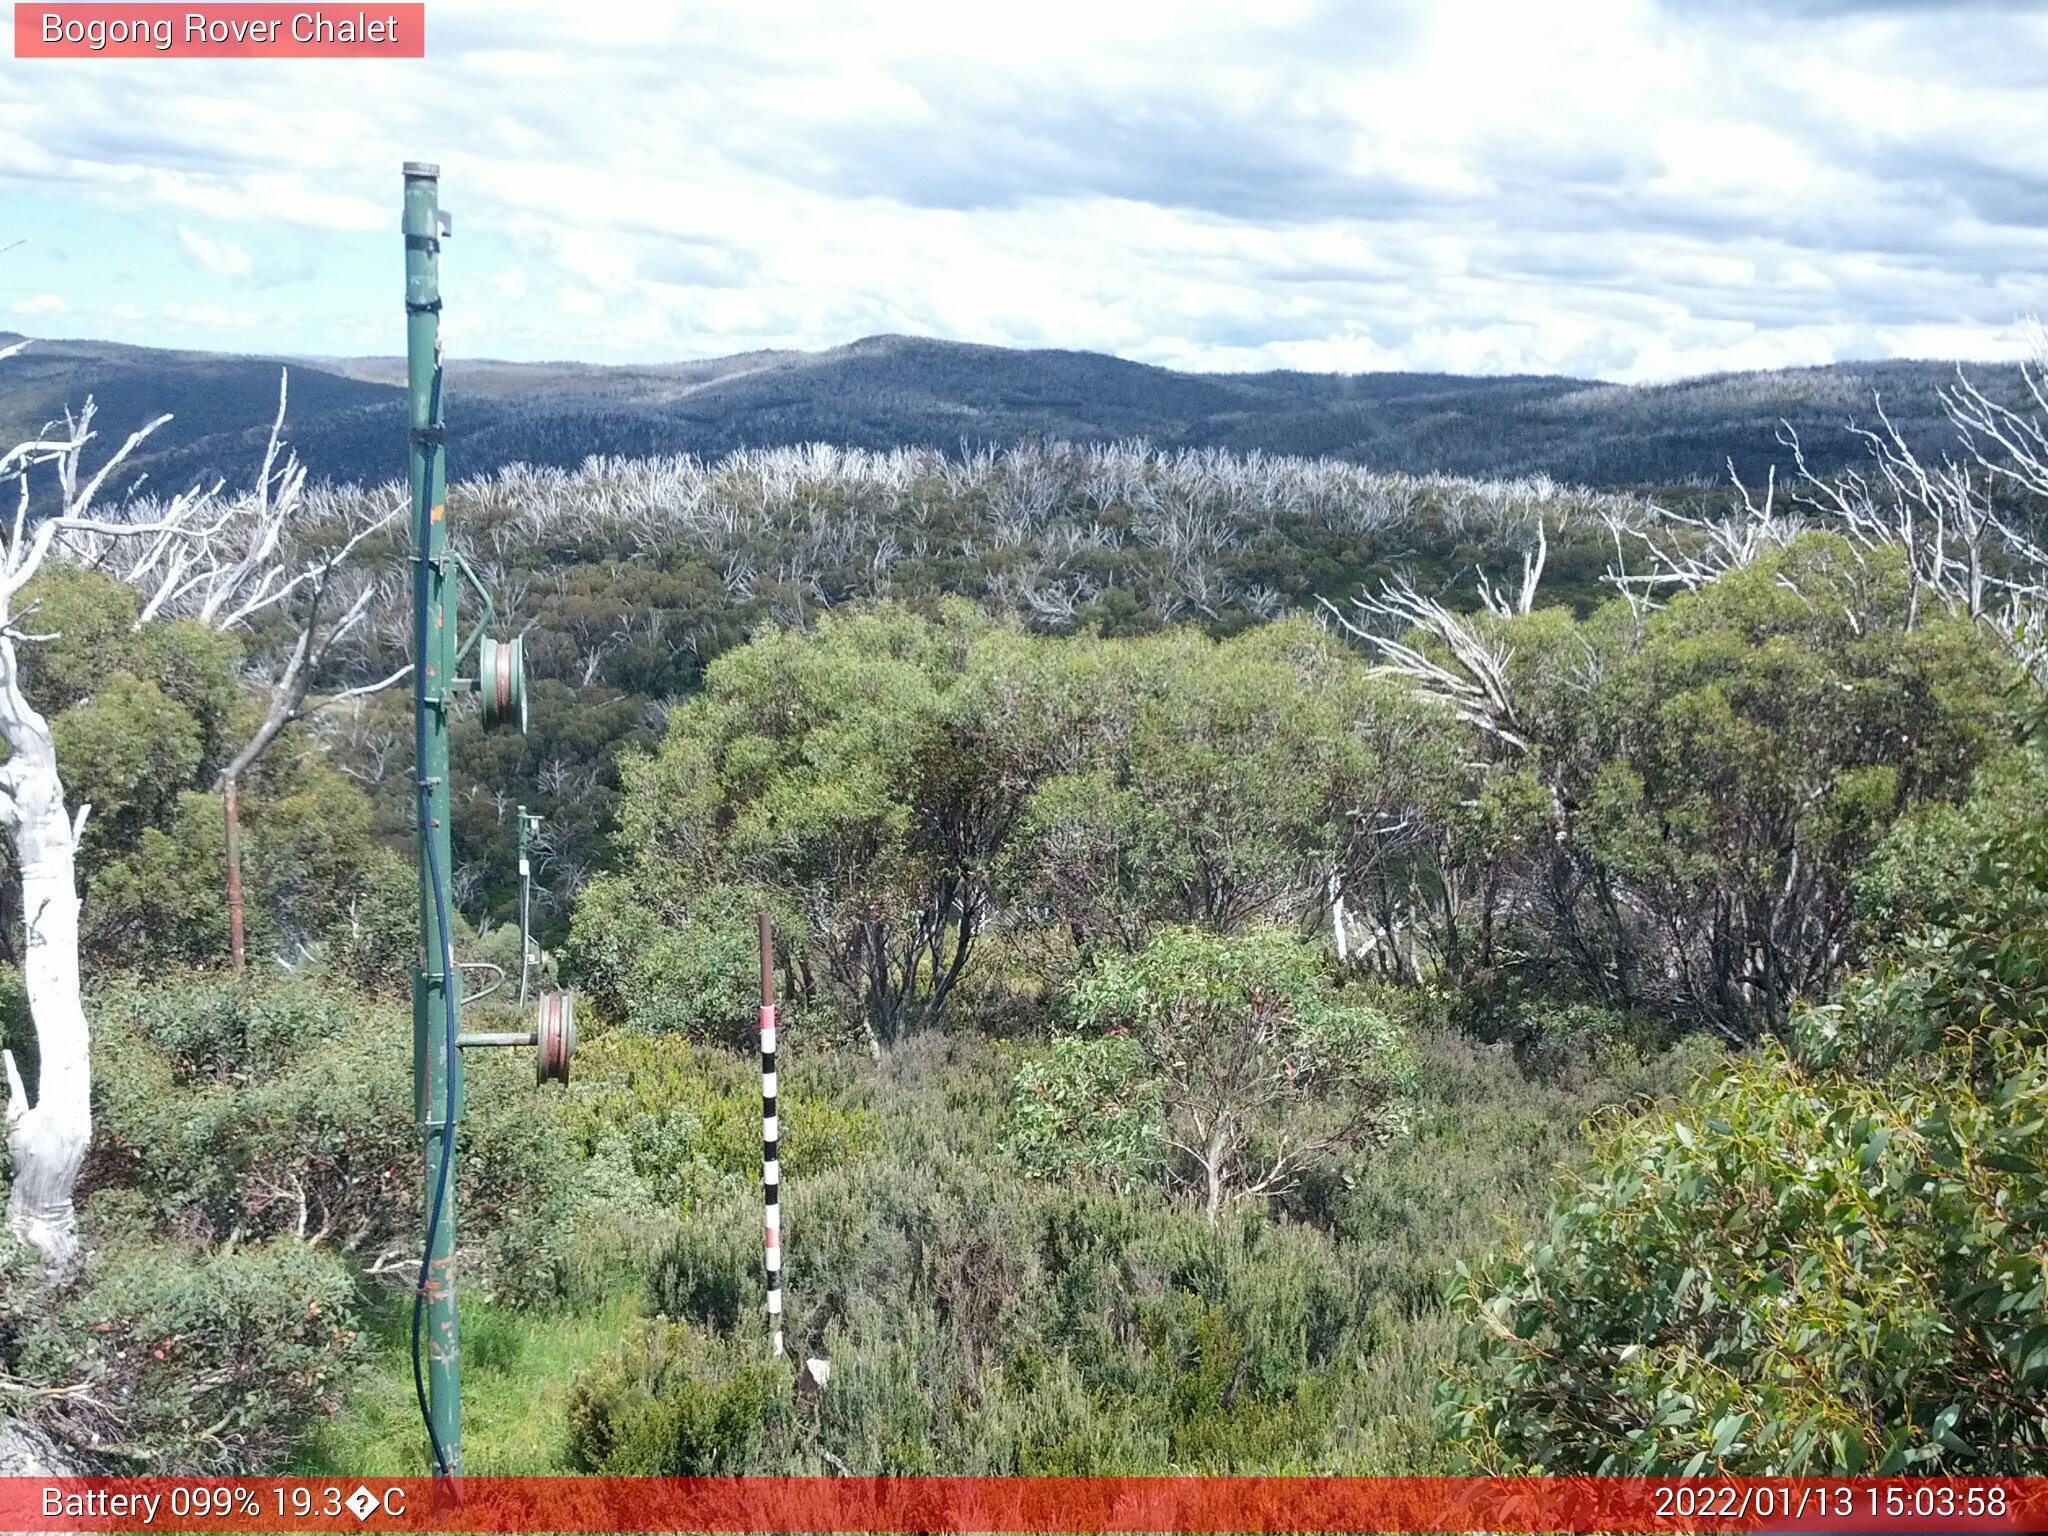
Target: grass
point(517, 1371)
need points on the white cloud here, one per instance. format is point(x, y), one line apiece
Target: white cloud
point(40, 304)
point(1633, 188)
point(214, 317)
point(222, 257)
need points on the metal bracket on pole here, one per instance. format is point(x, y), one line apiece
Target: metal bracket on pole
point(553, 1034)
point(468, 574)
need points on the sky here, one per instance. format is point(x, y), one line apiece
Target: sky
point(1624, 189)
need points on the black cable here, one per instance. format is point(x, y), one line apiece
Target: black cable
point(426, 787)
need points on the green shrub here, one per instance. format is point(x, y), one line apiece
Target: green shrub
point(1553, 1037)
point(164, 902)
point(128, 748)
point(307, 860)
point(229, 1028)
point(579, 1240)
point(671, 1404)
point(983, 1321)
point(1933, 856)
point(1960, 896)
point(1086, 1105)
point(17, 1030)
point(690, 1117)
point(712, 1269)
point(375, 942)
point(697, 975)
point(241, 1109)
point(204, 1361)
point(949, 1234)
point(1797, 1275)
point(1826, 1263)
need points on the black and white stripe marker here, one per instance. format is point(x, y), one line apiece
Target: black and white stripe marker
point(771, 1167)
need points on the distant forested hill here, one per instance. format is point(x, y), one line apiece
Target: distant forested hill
point(898, 391)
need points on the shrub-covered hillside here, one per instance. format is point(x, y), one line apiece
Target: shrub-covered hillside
point(1833, 1257)
point(628, 578)
point(1191, 989)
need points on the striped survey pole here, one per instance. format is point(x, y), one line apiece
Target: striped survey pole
point(771, 1167)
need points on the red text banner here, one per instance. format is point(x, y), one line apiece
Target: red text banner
point(220, 31)
point(1026, 1504)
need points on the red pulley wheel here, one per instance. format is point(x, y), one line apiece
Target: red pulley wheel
point(501, 679)
point(557, 1029)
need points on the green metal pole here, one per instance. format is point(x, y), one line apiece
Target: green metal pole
point(437, 1066)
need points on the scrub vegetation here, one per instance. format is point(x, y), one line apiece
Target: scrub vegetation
point(1284, 968)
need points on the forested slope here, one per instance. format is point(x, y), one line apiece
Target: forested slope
point(1213, 890)
point(887, 392)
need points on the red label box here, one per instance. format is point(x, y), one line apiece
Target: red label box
point(1044, 1506)
point(107, 29)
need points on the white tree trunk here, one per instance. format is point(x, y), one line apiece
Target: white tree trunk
point(46, 1140)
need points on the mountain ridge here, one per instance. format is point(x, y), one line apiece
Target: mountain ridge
point(887, 391)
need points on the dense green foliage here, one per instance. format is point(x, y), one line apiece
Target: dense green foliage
point(184, 1358)
point(1200, 784)
point(1676, 825)
point(1830, 1261)
point(145, 717)
point(254, 1151)
point(1089, 1105)
point(1672, 812)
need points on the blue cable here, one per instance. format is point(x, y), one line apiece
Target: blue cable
point(425, 787)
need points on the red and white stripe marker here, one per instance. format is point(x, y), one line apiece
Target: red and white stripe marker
point(771, 1134)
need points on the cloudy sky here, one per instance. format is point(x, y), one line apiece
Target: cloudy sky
point(1629, 189)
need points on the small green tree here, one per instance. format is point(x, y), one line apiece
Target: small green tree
point(1203, 783)
point(862, 777)
point(1087, 1105)
point(1261, 1071)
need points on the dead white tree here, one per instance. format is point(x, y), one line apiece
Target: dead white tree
point(273, 553)
point(1966, 526)
point(1469, 674)
point(1534, 558)
point(1686, 553)
point(47, 1137)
